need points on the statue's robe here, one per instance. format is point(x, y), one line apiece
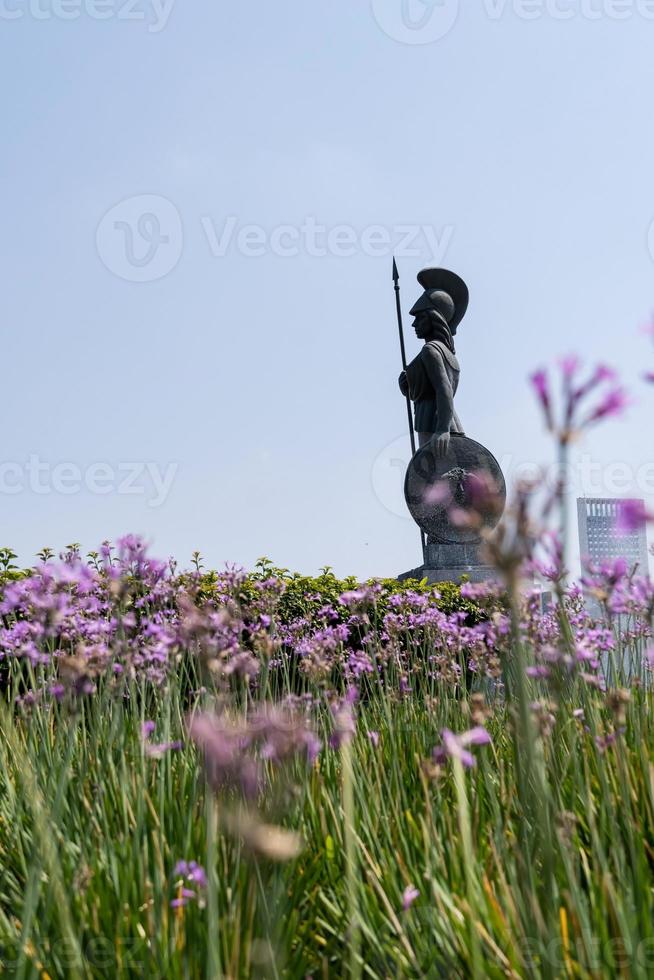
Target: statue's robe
point(433, 378)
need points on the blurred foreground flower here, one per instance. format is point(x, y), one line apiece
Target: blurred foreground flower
point(234, 750)
point(264, 840)
point(632, 516)
point(160, 749)
point(238, 753)
point(456, 746)
point(374, 738)
point(409, 895)
point(611, 399)
point(344, 719)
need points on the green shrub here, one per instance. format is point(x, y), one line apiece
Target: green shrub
point(304, 595)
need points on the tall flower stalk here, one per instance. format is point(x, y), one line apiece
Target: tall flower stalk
point(569, 415)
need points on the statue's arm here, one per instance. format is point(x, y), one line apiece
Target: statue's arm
point(404, 383)
point(435, 367)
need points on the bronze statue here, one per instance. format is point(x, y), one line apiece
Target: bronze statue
point(449, 470)
point(432, 378)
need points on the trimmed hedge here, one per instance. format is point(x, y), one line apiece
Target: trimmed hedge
point(305, 595)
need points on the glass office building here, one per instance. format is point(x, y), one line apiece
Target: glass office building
point(598, 540)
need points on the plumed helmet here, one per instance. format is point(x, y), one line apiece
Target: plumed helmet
point(444, 292)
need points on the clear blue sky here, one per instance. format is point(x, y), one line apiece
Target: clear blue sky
point(268, 380)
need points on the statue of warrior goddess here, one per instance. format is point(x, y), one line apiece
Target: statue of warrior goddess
point(432, 378)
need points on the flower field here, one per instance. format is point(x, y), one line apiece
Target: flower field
point(230, 774)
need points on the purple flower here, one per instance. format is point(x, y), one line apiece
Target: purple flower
point(197, 875)
point(613, 404)
point(632, 515)
point(157, 751)
point(438, 493)
point(191, 871)
point(540, 384)
point(361, 596)
point(226, 761)
point(569, 366)
point(360, 663)
point(234, 751)
point(601, 374)
point(344, 719)
point(409, 896)
point(374, 738)
point(147, 729)
point(603, 742)
point(455, 746)
point(283, 734)
point(479, 590)
point(538, 672)
point(179, 903)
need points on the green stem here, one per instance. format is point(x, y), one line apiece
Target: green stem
point(354, 935)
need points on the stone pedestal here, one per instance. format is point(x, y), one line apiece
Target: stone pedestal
point(450, 562)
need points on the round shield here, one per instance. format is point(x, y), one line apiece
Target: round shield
point(452, 499)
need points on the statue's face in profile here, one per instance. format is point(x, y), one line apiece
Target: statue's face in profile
point(422, 326)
